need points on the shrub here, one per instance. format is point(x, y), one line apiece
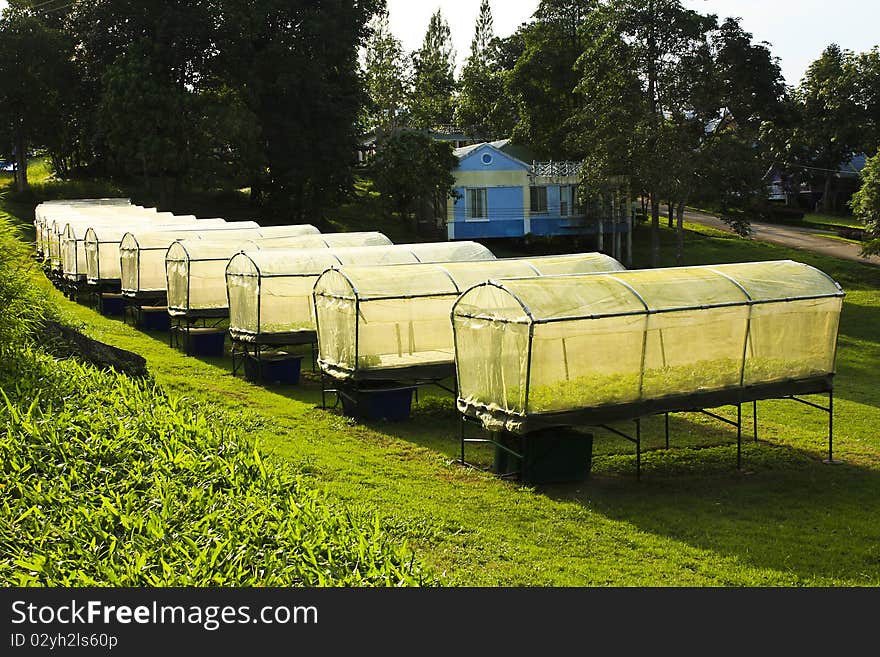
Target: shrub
point(108, 482)
point(780, 213)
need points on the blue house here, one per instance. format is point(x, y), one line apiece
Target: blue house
point(499, 194)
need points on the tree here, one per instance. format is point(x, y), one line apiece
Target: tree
point(866, 203)
point(830, 129)
point(34, 66)
point(505, 111)
point(728, 87)
point(431, 101)
point(295, 67)
point(144, 115)
point(387, 77)
point(543, 80)
point(666, 93)
point(867, 66)
point(482, 83)
point(412, 167)
point(642, 50)
point(180, 41)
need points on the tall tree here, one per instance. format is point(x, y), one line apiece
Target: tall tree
point(413, 169)
point(35, 69)
point(669, 97)
point(431, 102)
point(642, 49)
point(504, 54)
point(387, 77)
point(544, 78)
point(179, 38)
point(482, 83)
point(295, 65)
point(830, 130)
point(867, 65)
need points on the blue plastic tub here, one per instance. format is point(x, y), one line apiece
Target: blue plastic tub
point(388, 404)
point(112, 305)
point(154, 318)
point(204, 341)
point(281, 368)
point(550, 456)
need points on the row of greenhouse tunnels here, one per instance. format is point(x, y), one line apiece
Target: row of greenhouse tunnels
point(535, 351)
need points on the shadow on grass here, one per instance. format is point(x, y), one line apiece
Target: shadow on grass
point(785, 510)
point(788, 511)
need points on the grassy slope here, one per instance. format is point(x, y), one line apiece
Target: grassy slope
point(692, 520)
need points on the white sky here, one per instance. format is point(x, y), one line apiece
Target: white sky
point(798, 30)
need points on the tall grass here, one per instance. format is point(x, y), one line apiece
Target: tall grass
point(109, 482)
point(105, 481)
point(22, 305)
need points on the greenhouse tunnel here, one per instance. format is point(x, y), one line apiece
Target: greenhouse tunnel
point(533, 353)
point(142, 255)
point(270, 291)
point(46, 213)
point(101, 246)
point(127, 216)
point(387, 323)
point(74, 259)
point(196, 269)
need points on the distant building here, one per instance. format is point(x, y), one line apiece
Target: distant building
point(804, 186)
point(499, 194)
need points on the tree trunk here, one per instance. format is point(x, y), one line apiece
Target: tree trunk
point(655, 231)
point(670, 209)
point(679, 234)
point(827, 201)
point(21, 163)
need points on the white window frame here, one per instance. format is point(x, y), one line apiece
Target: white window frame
point(468, 205)
point(546, 209)
point(567, 194)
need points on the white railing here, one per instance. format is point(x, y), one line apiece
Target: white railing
point(553, 168)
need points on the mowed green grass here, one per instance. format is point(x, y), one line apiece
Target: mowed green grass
point(693, 520)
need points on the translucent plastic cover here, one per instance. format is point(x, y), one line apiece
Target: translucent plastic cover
point(401, 314)
point(270, 291)
point(101, 246)
point(142, 254)
point(195, 269)
point(558, 344)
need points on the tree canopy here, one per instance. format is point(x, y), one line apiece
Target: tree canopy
point(866, 202)
point(431, 101)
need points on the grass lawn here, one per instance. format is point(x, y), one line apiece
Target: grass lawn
point(693, 519)
point(831, 221)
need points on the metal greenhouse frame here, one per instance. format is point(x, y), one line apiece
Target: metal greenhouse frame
point(746, 332)
point(250, 275)
point(359, 311)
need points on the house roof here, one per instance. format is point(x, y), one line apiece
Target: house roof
point(855, 164)
point(503, 146)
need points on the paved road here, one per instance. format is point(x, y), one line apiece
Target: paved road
point(805, 239)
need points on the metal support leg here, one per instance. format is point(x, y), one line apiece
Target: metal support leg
point(830, 410)
point(461, 435)
point(667, 429)
point(639, 449)
point(739, 426)
point(323, 393)
point(831, 428)
point(755, 418)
